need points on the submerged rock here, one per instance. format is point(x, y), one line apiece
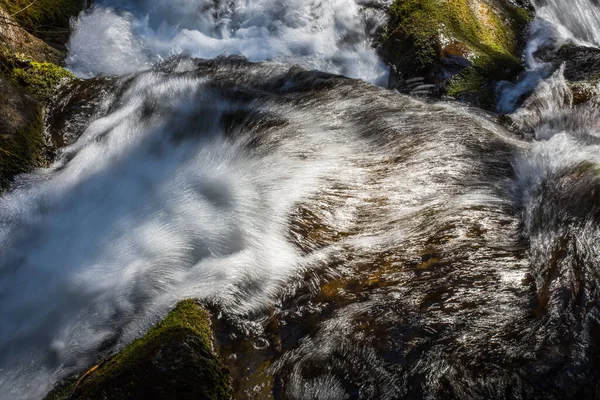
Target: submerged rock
point(174, 360)
point(460, 48)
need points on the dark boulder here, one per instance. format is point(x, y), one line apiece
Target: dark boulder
point(581, 63)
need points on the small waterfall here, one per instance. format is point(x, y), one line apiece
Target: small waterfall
point(557, 22)
point(120, 37)
point(580, 19)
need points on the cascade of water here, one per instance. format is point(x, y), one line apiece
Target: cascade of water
point(117, 37)
point(143, 211)
point(557, 22)
point(580, 19)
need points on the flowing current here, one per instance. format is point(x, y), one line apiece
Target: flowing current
point(119, 37)
point(404, 249)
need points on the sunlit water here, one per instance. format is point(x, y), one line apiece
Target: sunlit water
point(117, 37)
point(405, 249)
point(557, 23)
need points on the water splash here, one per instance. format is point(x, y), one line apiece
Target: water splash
point(579, 19)
point(117, 37)
point(557, 22)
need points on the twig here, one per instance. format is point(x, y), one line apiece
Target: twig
point(8, 153)
point(24, 8)
point(90, 371)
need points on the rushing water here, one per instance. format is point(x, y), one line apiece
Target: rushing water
point(118, 37)
point(557, 23)
point(580, 19)
point(403, 249)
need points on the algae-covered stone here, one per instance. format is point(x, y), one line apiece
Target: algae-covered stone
point(460, 46)
point(47, 19)
point(21, 132)
point(174, 360)
point(29, 68)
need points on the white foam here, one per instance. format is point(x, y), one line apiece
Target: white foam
point(121, 37)
point(148, 212)
point(557, 22)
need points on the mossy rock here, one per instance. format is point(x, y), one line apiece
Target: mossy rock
point(174, 360)
point(21, 132)
point(41, 79)
point(16, 40)
point(28, 68)
point(46, 19)
point(461, 46)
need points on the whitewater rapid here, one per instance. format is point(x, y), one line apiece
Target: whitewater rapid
point(556, 23)
point(117, 37)
point(249, 186)
point(191, 214)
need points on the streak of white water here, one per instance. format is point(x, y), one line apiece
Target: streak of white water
point(557, 22)
point(119, 37)
point(191, 215)
point(580, 18)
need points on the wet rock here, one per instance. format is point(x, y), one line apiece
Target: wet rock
point(584, 92)
point(21, 132)
point(459, 47)
point(581, 63)
point(581, 70)
point(174, 360)
point(75, 106)
point(30, 73)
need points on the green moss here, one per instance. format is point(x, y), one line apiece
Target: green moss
point(41, 79)
point(186, 315)
point(413, 26)
point(476, 84)
point(173, 360)
point(48, 19)
point(484, 32)
point(491, 35)
point(21, 152)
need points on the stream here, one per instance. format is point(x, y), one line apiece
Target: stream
point(353, 242)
